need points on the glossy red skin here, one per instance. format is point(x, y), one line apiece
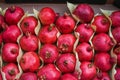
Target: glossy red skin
point(47, 16)
point(102, 60)
point(30, 62)
point(49, 53)
point(65, 24)
point(101, 24)
point(103, 76)
point(11, 34)
point(13, 17)
point(29, 24)
point(28, 76)
point(48, 72)
point(117, 53)
point(10, 51)
point(29, 42)
point(84, 51)
point(1, 77)
point(1, 40)
point(102, 42)
point(116, 34)
point(7, 68)
point(85, 31)
point(117, 74)
point(66, 62)
point(67, 76)
point(1, 21)
point(65, 43)
point(84, 12)
point(48, 34)
point(115, 17)
point(88, 70)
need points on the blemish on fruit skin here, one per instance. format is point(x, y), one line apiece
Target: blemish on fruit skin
point(117, 50)
point(47, 55)
point(11, 72)
point(43, 77)
point(64, 47)
point(26, 25)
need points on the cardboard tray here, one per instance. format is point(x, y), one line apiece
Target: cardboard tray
point(59, 8)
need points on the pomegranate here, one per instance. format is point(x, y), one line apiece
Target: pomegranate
point(48, 72)
point(102, 42)
point(85, 31)
point(10, 70)
point(84, 12)
point(103, 61)
point(117, 52)
point(102, 76)
point(115, 17)
point(65, 24)
point(28, 76)
point(84, 51)
point(88, 70)
point(30, 62)
point(49, 53)
point(13, 15)
point(117, 74)
point(116, 34)
point(2, 21)
point(101, 24)
point(48, 34)
point(29, 24)
point(47, 15)
point(65, 43)
point(67, 76)
point(11, 33)
point(10, 51)
point(66, 62)
point(1, 40)
point(29, 42)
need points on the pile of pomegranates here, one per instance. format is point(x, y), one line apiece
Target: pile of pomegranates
point(79, 45)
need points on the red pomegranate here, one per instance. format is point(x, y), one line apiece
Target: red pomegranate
point(88, 70)
point(66, 62)
point(10, 33)
point(28, 76)
point(65, 43)
point(30, 62)
point(85, 31)
point(102, 42)
point(47, 15)
point(48, 72)
point(29, 24)
point(101, 24)
point(10, 51)
point(48, 34)
point(13, 15)
point(49, 53)
point(84, 12)
point(65, 24)
point(10, 70)
point(29, 42)
point(115, 17)
point(84, 51)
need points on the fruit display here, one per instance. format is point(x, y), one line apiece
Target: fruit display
point(46, 45)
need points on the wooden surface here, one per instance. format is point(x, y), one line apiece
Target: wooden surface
point(59, 8)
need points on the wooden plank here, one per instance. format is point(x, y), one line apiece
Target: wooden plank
point(59, 8)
